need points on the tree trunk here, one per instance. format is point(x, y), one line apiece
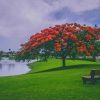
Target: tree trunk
point(45, 58)
point(37, 58)
point(94, 58)
point(63, 61)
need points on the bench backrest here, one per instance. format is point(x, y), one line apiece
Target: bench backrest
point(94, 72)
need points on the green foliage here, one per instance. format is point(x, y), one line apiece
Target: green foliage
point(1, 55)
point(26, 56)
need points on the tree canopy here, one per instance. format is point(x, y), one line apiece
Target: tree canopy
point(65, 40)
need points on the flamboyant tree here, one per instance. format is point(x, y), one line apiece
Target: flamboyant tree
point(65, 40)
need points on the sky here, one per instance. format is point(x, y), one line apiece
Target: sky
point(19, 19)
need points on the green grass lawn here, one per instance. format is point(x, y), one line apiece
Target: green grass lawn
point(49, 81)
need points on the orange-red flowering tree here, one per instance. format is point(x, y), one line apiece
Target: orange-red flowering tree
point(65, 40)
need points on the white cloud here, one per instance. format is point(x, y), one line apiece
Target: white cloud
point(21, 18)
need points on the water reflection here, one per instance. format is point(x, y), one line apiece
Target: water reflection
point(11, 67)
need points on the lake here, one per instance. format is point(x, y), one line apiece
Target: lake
point(11, 67)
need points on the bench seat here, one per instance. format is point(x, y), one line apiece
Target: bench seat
point(88, 77)
point(94, 76)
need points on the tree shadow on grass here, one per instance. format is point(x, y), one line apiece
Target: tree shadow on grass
point(71, 67)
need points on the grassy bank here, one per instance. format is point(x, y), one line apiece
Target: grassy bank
point(49, 81)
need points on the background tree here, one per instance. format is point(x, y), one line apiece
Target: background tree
point(1, 54)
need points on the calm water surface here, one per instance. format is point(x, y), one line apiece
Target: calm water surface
point(11, 67)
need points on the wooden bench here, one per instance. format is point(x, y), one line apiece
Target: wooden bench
point(94, 76)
